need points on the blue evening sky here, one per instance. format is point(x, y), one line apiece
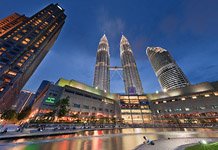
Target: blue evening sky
point(186, 28)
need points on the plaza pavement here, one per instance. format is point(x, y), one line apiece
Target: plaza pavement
point(173, 144)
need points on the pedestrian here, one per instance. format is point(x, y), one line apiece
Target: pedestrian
point(148, 141)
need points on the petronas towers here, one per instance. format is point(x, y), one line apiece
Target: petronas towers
point(169, 74)
point(131, 77)
point(102, 73)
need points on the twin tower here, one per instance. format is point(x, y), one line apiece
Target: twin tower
point(131, 77)
point(169, 74)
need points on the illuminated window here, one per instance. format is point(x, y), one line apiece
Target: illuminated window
point(1, 89)
point(3, 49)
point(19, 36)
point(22, 60)
point(25, 57)
point(142, 97)
point(15, 38)
point(27, 39)
point(24, 31)
point(125, 111)
point(0, 53)
point(136, 111)
point(133, 97)
point(36, 45)
point(216, 93)
point(32, 50)
point(146, 111)
point(12, 73)
point(7, 80)
point(19, 64)
point(24, 42)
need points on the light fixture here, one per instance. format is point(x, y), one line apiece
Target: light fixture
point(183, 98)
point(207, 95)
point(60, 7)
point(194, 97)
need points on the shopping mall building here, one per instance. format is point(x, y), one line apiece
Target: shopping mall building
point(85, 103)
point(192, 105)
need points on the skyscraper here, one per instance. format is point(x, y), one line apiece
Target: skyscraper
point(11, 22)
point(170, 76)
point(131, 77)
point(102, 72)
point(24, 47)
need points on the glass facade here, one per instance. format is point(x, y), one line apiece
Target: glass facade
point(135, 109)
point(24, 47)
point(102, 73)
point(131, 77)
point(169, 74)
point(11, 22)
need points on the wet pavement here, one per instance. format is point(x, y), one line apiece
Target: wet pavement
point(174, 144)
point(117, 139)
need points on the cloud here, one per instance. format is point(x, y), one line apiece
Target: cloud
point(112, 26)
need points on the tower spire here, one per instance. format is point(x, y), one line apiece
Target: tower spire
point(131, 77)
point(102, 74)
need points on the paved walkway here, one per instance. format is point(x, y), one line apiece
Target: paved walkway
point(35, 133)
point(173, 144)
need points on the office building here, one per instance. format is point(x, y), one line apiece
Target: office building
point(25, 100)
point(102, 73)
point(131, 77)
point(169, 74)
point(23, 48)
point(11, 22)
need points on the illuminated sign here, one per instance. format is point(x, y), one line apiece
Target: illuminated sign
point(50, 100)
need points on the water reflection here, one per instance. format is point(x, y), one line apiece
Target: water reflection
point(117, 139)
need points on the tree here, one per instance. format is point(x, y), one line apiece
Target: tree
point(9, 114)
point(24, 113)
point(62, 107)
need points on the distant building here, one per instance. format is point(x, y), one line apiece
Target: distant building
point(85, 101)
point(131, 77)
point(193, 105)
point(11, 22)
point(102, 73)
point(169, 74)
point(23, 48)
point(25, 99)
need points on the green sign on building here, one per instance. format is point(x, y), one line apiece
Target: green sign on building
point(50, 100)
